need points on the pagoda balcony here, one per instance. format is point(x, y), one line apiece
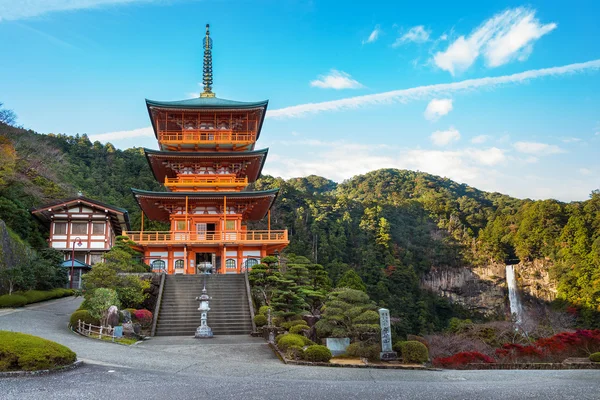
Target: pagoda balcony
point(205, 138)
point(215, 182)
point(204, 238)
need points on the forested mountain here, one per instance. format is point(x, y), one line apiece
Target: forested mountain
point(391, 226)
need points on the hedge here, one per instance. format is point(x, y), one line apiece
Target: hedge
point(595, 357)
point(19, 299)
point(22, 352)
point(84, 316)
point(360, 349)
point(317, 353)
point(260, 320)
point(290, 340)
point(299, 329)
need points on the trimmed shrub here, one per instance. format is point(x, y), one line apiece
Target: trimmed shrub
point(595, 357)
point(264, 310)
point(414, 352)
point(31, 353)
point(144, 317)
point(288, 340)
point(298, 329)
point(294, 352)
point(364, 350)
point(84, 316)
point(13, 300)
point(260, 320)
point(317, 353)
point(289, 324)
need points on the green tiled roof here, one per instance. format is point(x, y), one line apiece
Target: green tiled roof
point(207, 102)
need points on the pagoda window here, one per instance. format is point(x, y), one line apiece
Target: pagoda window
point(178, 264)
point(60, 228)
point(230, 263)
point(230, 225)
point(180, 225)
point(98, 228)
point(251, 262)
point(158, 264)
point(79, 228)
point(95, 258)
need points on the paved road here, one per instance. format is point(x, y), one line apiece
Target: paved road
point(245, 368)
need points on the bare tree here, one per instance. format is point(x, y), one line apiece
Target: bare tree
point(7, 116)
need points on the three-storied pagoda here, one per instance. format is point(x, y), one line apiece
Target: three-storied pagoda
point(206, 159)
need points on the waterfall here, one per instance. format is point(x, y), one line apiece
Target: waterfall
point(516, 309)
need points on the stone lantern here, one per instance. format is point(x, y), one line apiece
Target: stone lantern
point(203, 331)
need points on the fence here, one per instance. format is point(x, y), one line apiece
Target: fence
point(89, 329)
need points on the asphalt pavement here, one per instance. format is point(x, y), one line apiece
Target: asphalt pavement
point(245, 368)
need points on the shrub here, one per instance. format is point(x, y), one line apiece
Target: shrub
point(595, 357)
point(298, 329)
point(461, 359)
point(30, 353)
point(288, 340)
point(12, 300)
point(264, 310)
point(260, 320)
point(414, 352)
point(294, 352)
point(288, 325)
point(317, 353)
point(100, 301)
point(144, 317)
point(84, 316)
point(364, 350)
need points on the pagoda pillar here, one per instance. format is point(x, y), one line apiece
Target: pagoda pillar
point(240, 258)
point(223, 258)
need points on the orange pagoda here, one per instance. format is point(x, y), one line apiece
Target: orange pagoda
point(206, 159)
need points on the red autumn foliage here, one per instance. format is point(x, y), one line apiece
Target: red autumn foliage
point(462, 359)
point(144, 317)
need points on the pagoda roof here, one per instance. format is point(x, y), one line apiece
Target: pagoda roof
point(261, 201)
point(119, 217)
point(156, 158)
point(75, 264)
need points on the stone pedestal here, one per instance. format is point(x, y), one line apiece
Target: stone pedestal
point(387, 354)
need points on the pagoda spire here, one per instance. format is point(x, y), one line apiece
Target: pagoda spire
point(207, 78)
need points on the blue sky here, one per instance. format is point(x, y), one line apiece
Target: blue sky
point(504, 96)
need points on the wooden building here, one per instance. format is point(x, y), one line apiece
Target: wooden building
point(206, 160)
point(84, 225)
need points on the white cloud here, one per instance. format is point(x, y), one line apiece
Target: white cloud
point(20, 9)
point(419, 92)
point(537, 148)
point(585, 171)
point(437, 108)
point(506, 36)
point(336, 80)
point(416, 34)
point(480, 139)
point(442, 138)
point(571, 140)
point(491, 156)
point(373, 36)
point(120, 135)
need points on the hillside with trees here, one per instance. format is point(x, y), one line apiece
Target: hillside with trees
point(389, 226)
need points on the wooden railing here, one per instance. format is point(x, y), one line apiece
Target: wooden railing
point(241, 237)
point(212, 181)
point(207, 136)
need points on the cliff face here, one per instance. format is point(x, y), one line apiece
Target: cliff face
point(484, 289)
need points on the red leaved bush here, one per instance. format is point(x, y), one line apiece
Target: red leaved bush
point(518, 353)
point(463, 358)
point(144, 317)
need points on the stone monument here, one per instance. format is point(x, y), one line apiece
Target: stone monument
point(387, 354)
point(113, 316)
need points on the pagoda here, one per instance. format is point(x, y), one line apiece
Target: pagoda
point(206, 159)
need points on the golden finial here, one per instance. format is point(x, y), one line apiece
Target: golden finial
point(207, 78)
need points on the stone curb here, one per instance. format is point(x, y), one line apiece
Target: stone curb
point(12, 374)
point(287, 361)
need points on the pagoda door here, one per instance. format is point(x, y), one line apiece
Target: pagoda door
point(201, 231)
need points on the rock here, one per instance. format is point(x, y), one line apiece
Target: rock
point(113, 316)
point(128, 328)
point(126, 316)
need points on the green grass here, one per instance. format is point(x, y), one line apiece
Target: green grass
point(22, 352)
point(126, 341)
point(19, 299)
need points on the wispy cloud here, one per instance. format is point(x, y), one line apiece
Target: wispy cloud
point(437, 108)
point(336, 80)
point(420, 92)
point(585, 171)
point(416, 34)
point(442, 138)
point(120, 135)
point(506, 36)
point(373, 36)
point(11, 10)
point(480, 139)
point(537, 148)
point(571, 140)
